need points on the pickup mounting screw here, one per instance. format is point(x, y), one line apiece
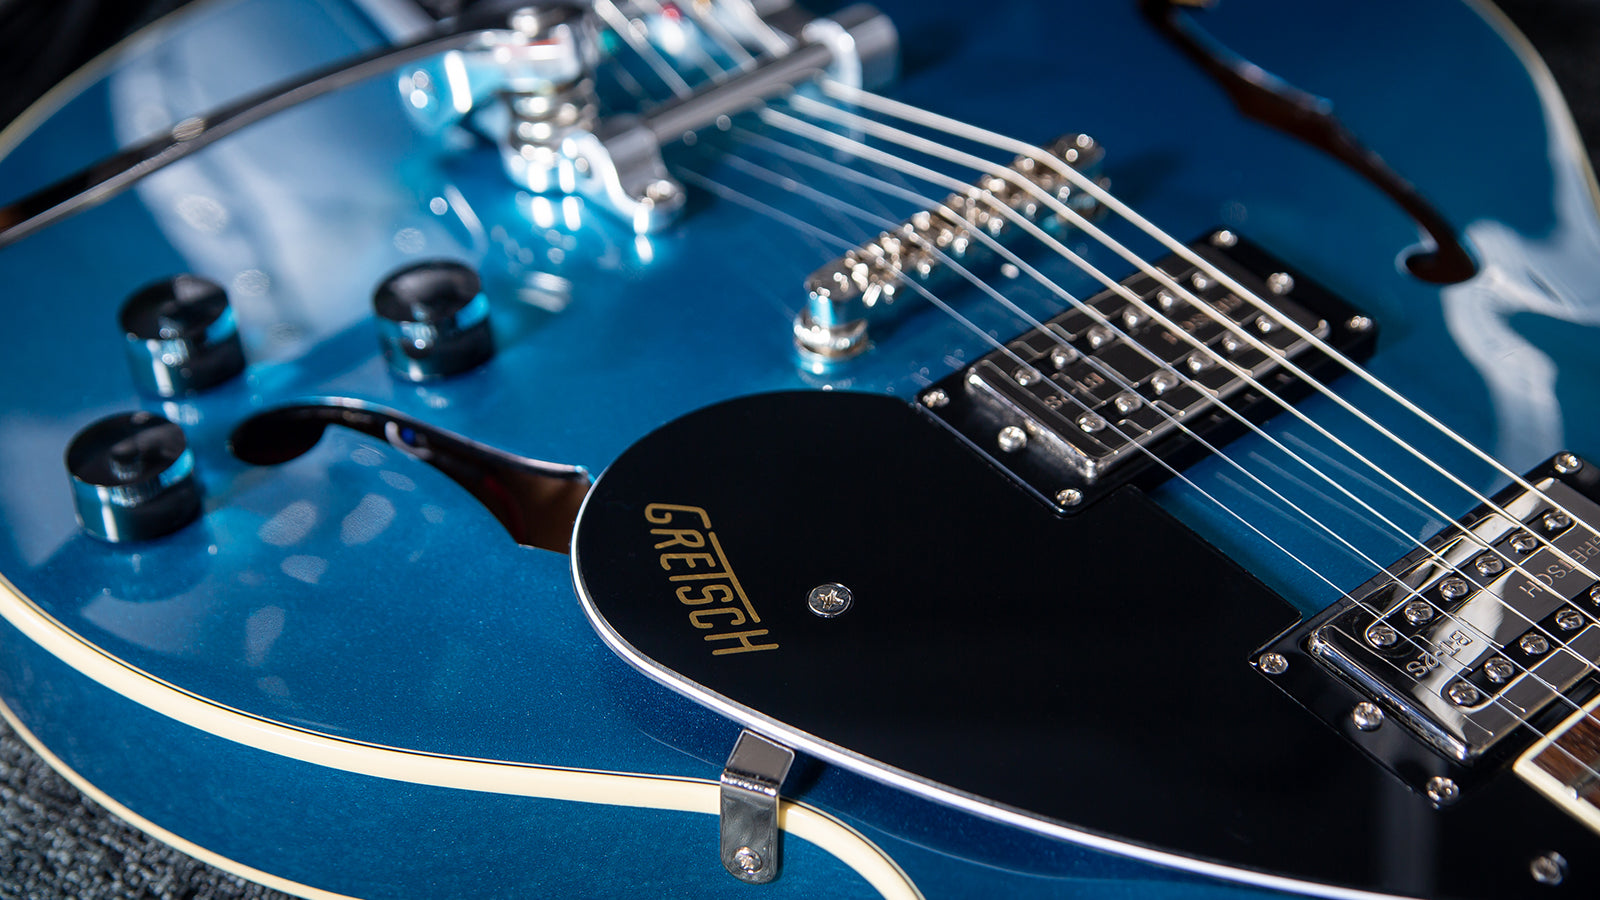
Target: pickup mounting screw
point(936, 399)
point(1568, 463)
point(1274, 663)
point(1012, 439)
point(1443, 791)
point(748, 860)
point(1549, 868)
point(1381, 635)
point(1069, 497)
point(829, 600)
point(1367, 716)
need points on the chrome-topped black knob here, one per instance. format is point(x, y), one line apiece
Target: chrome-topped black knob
point(181, 336)
point(433, 321)
point(132, 477)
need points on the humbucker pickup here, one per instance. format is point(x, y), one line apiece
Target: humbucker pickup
point(1115, 389)
point(1478, 642)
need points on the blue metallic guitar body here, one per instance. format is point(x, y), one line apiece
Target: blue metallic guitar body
point(346, 679)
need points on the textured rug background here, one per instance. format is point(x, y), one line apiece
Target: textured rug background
point(56, 844)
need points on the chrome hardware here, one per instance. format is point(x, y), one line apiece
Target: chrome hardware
point(751, 780)
point(1224, 239)
point(829, 600)
point(847, 293)
point(1367, 716)
point(1442, 791)
point(1069, 497)
point(1358, 323)
point(1274, 663)
point(935, 398)
point(1549, 868)
point(1568, 463)
point(1011, 439)
point(1280, 283)
point(1504, 641)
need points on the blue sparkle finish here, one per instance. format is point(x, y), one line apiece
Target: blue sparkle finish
point(358, 593)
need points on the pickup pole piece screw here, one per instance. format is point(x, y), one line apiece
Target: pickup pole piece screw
point(1280, 283)
point(1381, 635)
point(1569, 620)
point(1489, 564)
point(1555, 520)
point(1274, 663)
point(1012, 439)
point(1224, 239)
point(1568, 463)
point(1453, 588)
point(829, 600)
point(1524, 542)
point(1464, 693)
point(1358, 324)
point(1534, 644)
point(936, 399)
point(1549, 868)
point(1443, 791)
point(1594, 594)
point(1367, 716)
point(1418, 612)
point(1499, 670)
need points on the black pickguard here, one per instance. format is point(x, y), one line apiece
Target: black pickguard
point(1092, 670)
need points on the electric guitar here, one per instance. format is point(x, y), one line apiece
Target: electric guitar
point(720, 448)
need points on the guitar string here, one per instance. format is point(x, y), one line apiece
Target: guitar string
point(731, 194)
point(826, 200)
point(905, 112)
point(908, 113)
point(861, 150)
point(984, 165)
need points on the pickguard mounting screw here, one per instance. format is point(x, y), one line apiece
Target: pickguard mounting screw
point(1549, 868)
point(1443, 791)
point(1367, 716)
point(748, 860)
point(1274, 663)
point(829, 600)
point(1567, 463)
point(1068, 497)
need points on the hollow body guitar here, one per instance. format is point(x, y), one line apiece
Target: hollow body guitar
point(346, 678)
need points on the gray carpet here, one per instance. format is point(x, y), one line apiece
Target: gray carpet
point(54, 843)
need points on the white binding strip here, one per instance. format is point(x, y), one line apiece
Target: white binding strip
point(215, 860)
point(627, 789)
point(922, 787)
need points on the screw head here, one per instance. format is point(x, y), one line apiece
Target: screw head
point(936, 399)
point(1489, 564)
point(1381, 635)
point(1524, 542)
point(1499, 670)
point(1534, 644)
point(1442, 791)
point(1012, 439)
point(1464, 693)
point(1358, 324)
point(1280, 283)
point(1367, 716)
point(1569, 620)
point(1555, 520)
point(1549, 868)
point(1224, 239)
point(748, 860)
point(1418, 612)
point(829, 600)
point(1274, 663)
point(1568, 463)
point(1453, 588)
point(1069, 497)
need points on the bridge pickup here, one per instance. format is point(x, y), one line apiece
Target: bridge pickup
point(1099, 393)
point(1477, 642)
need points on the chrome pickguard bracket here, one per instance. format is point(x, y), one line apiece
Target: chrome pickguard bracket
point(750, 782)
